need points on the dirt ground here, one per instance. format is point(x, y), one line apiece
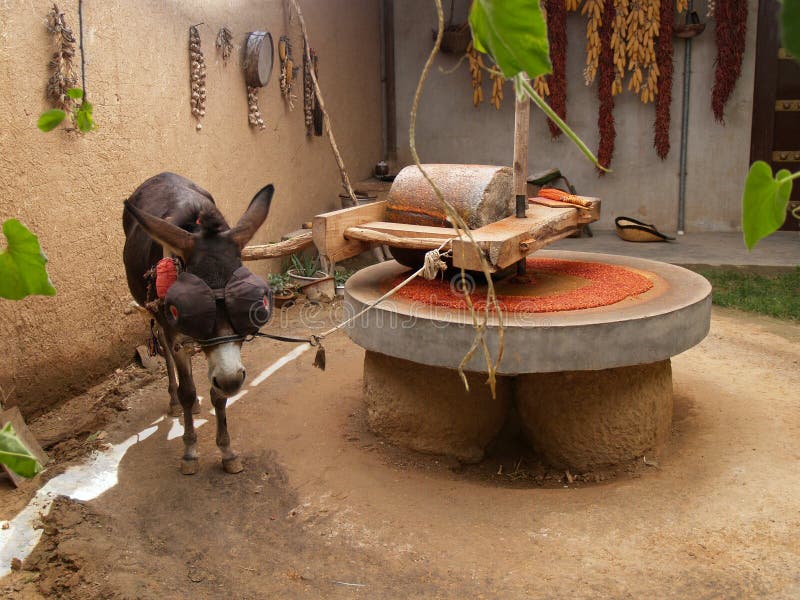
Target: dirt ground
point(326, 510)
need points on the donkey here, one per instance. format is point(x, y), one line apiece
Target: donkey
point(214, 301)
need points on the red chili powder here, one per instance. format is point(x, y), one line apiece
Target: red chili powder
point(606, 284)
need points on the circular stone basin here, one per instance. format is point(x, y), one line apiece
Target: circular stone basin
point(666, 319)
point(585, 362)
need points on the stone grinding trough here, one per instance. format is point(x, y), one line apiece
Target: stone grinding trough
point(587, 337)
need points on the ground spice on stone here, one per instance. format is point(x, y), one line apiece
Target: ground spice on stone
point(606, 285)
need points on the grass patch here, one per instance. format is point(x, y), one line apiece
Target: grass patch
point(774, 295)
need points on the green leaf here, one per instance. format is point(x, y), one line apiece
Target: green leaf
point(15, 455)
point(75, 93)
point(50, 119)
point(513, 33)
point(83, 117)
point(764, 202)
point(790, 27)
point(22, 270)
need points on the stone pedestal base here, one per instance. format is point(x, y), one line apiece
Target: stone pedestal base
point(428, 410)
point(586, 419)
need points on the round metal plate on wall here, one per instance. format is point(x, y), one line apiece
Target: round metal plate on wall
point(258, 57)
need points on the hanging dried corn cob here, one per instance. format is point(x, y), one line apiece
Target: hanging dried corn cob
point(556, 13)
point(540, 86)
point(664, 96)
point(288, 71)
point(224, 44)
point(618, 35)
point(642, 27)
point(497, 88)
point(731, 17)
point(476, 67)
point(308, 96)
point(593, 9)
point(253, 112)
point(607, 71)
point(572, 5)
point(62, 74)
point(198, 76)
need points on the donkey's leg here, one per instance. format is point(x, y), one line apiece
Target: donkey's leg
point(175, 408)
point(187, 394)
point(230, 461)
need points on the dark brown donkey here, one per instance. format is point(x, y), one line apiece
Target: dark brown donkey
point(215, 301)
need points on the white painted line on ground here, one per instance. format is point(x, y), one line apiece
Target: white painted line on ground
point(279, 363)
point(176, 430)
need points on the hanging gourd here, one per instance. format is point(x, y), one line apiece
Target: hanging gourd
point(556, 82)
point(665, 70)
point(731, 18)
point(605, 85)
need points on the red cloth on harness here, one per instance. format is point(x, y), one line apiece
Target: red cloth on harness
point(166, 274)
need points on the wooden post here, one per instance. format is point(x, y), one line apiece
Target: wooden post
point(521, 130)
point(522, 113)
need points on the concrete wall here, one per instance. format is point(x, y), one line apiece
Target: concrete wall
point(450, 129)
point(69, 188)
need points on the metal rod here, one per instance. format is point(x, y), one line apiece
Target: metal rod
point(687, 76)
point(522, 111)
point(389, 87)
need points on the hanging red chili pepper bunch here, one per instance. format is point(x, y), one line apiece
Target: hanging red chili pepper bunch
point(556, 11)
point(606, 73)
point(665, 69)
point(731, 17)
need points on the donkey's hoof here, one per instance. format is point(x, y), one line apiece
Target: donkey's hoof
point(189, 466)
point(175, 410)
point(232, 465)
point(196, 407)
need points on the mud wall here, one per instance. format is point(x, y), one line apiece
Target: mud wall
point(450, 129)
point(69, 188)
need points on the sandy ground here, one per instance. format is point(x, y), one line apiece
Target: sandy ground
point(324, 509)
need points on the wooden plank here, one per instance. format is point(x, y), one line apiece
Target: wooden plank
point(410, 231)
point(13, 416)
point(379, 237)
point(278, 249)
point(501, 241)
point(328, 230)
point(588, 214)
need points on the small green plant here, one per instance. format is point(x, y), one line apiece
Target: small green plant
point(22, 264)
point(280, 283)
point(340, 277)
point(81, 115)
point(15, 455)
point(305, 266)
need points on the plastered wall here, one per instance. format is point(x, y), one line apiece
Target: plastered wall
point(450, 129)
point(69, 188)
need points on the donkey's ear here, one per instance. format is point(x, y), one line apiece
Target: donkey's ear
point(253, 217)
point(165, 233)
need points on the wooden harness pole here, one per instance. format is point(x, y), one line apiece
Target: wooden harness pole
point(521, 131)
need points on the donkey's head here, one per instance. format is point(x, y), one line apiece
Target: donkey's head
point(215, 300)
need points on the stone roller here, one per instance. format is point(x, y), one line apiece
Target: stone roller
point(481, 194)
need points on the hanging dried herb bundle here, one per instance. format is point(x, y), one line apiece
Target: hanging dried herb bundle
point(594, 10)
point(224, 44)
point(731, 17)
point(556, 13)
point(198, 76)
point(606, 70)
point(642, 28)
point(62, 74)
point(618, 46)
point(476, 67)
point(288, 71)
point(317, 111)
point(308, 96)
point(253, 112)
point(665, 69)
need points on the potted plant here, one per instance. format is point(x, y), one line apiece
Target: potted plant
point(340, 277)
point(309, 279)
point(281, 288)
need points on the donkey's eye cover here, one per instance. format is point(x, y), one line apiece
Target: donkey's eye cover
point(248, 301)
point(190, 306)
